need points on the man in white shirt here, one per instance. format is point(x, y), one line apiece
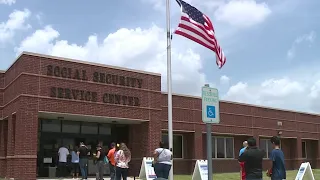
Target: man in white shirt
point(62, 166)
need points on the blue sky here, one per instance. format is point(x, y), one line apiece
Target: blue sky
point(271, 46)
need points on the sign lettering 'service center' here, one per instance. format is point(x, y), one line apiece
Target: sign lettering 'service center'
point(97, 77)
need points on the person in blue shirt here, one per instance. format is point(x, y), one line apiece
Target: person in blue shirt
point(245, 145)
point(75, 163)
point(278, 170)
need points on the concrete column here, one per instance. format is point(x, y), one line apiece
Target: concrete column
point(197, 146)
point(298, 153)
point(2, 148)
point(9, 149)
point(318, 155)
point(256, 136)
point(154, 131)
point(26, 141)
point(138, 144)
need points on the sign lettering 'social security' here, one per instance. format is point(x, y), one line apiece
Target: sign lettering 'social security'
point(210, 105)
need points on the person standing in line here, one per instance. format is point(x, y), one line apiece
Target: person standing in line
point(123, 157)
point(278, 170)
point(100, 162)
point(75, 163)
point(62, 166)
point(83, 153)
point(245, 145)
point(242, 168)
point(252, 159)
point(162, 161)
point(112, 162)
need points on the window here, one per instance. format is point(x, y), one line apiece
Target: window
point(304, 149)
point(222, 147)
point(177, 144)
point(89, 128)
point(71, 127)
point(51, 126)
point(104, 129)
point(266, 146)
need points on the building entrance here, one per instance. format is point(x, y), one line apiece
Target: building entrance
point(54, 134)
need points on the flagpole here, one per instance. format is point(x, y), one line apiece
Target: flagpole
point(169, 85)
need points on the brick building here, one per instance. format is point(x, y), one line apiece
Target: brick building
point(48, 101)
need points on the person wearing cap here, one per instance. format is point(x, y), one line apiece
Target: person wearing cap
point(112, 162)
point(100, 155)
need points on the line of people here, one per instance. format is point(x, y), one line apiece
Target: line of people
point(251, 158)
point(118, 158)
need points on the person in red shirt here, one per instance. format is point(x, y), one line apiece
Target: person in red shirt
point(112, 162)
point(242, 169)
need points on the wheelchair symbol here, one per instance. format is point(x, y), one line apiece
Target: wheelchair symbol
point(211, 112)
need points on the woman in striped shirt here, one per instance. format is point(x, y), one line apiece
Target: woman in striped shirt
point(123, 157)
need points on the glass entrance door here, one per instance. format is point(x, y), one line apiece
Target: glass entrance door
point(55, 133)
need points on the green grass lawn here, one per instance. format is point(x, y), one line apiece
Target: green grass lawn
point(235, 176)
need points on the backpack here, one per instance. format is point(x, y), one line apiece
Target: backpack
point(106, 160)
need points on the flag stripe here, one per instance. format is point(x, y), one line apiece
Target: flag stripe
point(195, 29)
point(185, 18)
point(194, 37)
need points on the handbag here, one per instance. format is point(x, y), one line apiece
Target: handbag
point(106, 160)
point(155, 161)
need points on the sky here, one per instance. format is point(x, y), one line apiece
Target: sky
point(270, 45)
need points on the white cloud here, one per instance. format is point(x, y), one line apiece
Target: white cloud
point(309, 38)
point(39, 17)
point(143, 49)
point(17, 21)
point(8, 2)
point(224, 79)
point(243, 13)
point(285, 93)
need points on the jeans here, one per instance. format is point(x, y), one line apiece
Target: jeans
point(121, 172)
point(112, 171)
point(83, 162)
point(62, 169)
point(100, 170)
point(162, 170)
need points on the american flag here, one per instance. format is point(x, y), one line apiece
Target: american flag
point(197, 27)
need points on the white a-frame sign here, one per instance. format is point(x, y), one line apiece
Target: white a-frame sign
point(305, 172)
point(200, 171)
point(146, 170)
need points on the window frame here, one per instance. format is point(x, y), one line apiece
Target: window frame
point(267, 145)
point(225, 147)
point(182, 143)
point(305, 149)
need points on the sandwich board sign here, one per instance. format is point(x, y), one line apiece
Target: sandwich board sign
point(200, 171)
point(146, 170)
point(210, 105)
point(305, 172)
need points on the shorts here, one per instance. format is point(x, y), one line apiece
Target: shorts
point(75, 168)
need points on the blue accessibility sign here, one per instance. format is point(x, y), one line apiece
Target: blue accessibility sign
point(211, 111)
